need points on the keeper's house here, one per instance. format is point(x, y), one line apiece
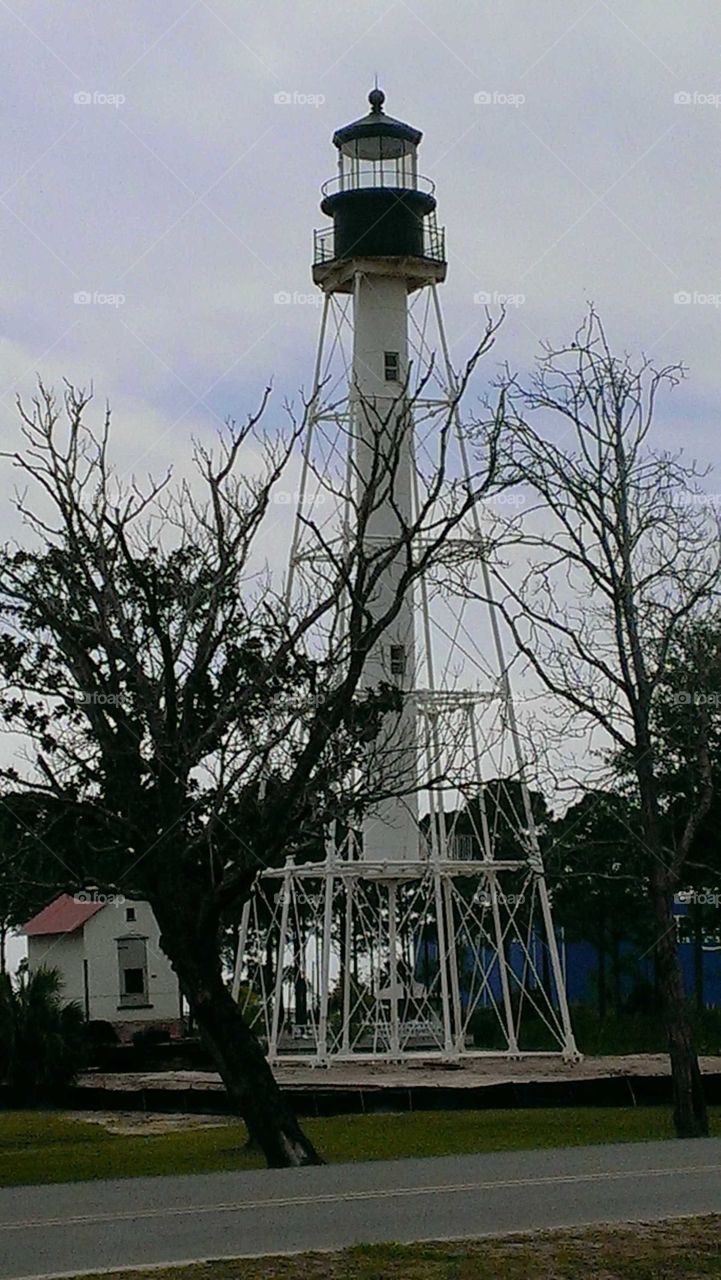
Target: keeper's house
point(107, 951)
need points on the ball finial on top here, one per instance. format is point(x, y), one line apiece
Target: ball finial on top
point(376, 97)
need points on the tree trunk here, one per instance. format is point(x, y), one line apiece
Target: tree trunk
point(249, 1081)
point(689, 1104)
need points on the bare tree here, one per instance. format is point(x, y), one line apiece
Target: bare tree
point(624, 555)
point(202, 727)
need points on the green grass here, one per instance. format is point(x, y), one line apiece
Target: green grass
point(686, 1249)
point(47, 1146)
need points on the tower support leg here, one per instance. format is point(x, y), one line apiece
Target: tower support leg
point(324, 976)
point(443, 963)
point(348, 944)
point(570, 1048)
point(394, 1038)
point(458, 1034)
point(287, 891)
point(240, 953)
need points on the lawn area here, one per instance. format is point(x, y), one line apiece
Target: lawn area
point(685, 1249)
point(48, 1146)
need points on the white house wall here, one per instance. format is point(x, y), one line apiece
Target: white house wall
point(97, 942)
point(101, 947)
point(64, 952)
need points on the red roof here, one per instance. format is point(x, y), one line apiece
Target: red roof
point(64, 915)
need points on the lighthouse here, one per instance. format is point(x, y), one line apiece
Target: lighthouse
point(383, 246)
point(426, 930)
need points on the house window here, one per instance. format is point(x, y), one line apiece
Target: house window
point(133, 973)
point(130, 914)
point(398, 659)
point(392, 366)
point(134, 980)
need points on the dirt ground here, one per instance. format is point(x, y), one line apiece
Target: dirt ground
point(470, 1075)
point(146, 1122)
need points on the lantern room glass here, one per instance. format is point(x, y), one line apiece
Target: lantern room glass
point(377, 161)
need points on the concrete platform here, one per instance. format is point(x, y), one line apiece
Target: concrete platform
point(356, 1088)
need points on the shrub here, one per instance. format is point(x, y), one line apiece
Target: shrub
point(99, 1034)
point(41, 1036)
point(149, 1038)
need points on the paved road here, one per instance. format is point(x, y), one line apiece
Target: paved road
point(71, 1228)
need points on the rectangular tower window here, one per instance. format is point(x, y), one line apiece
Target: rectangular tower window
point(398, 660)
point(392, 366)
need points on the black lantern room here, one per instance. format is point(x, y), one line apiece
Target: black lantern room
point(380, 206)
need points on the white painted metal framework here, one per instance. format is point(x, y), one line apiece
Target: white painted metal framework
point(450, 952)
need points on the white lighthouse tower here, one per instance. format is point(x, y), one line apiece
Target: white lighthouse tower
point(427, 930)
point(380, 210)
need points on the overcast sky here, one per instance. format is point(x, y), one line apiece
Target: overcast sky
point(163, 161)
point(187, 190)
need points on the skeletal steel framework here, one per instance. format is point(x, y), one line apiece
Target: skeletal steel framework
point(427, 930)
point(452, 954)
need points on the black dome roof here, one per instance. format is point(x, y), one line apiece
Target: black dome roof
point(376, 124)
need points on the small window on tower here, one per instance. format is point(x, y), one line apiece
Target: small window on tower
point(392, 366)
point(398, 660)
